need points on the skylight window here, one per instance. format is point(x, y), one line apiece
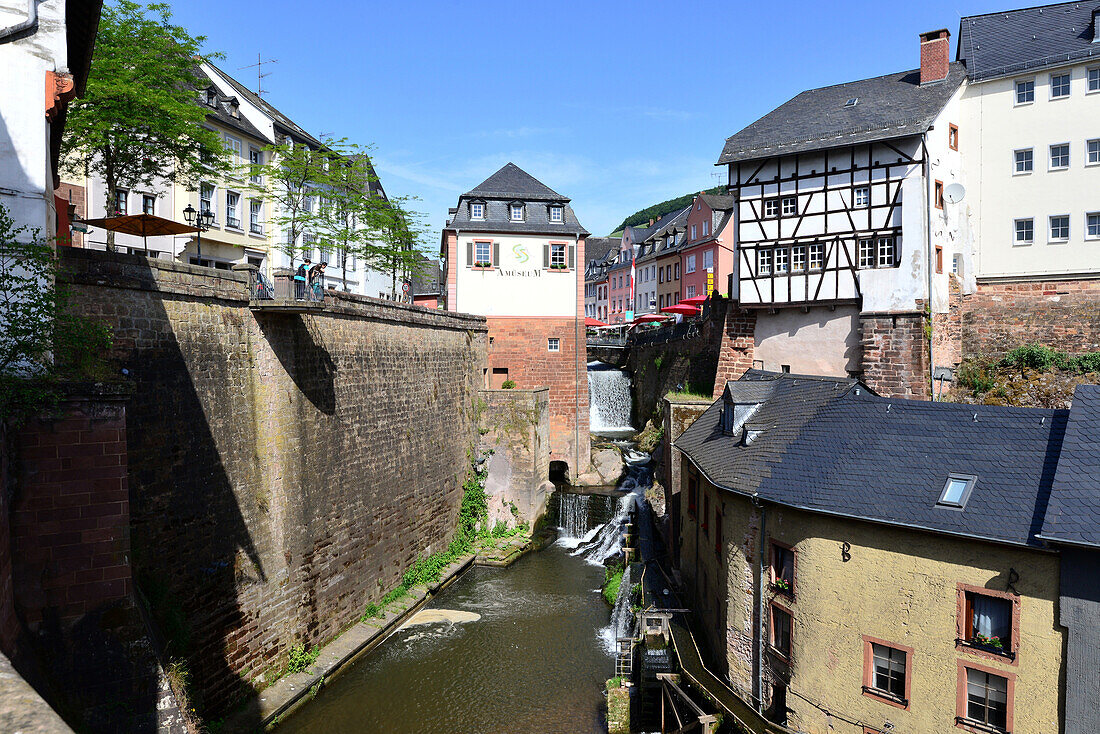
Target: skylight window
point(956, 491)
point(852, 102)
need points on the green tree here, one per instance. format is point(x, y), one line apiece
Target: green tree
point(293, 178)
point(403, 234)
point(41, 340)
point(140, 121)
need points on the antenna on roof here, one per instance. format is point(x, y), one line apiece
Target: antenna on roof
point(259, 72)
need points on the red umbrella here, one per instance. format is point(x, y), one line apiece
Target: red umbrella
point(650, 317)
point(694, 301)
point(682, 308)
point(589, 321)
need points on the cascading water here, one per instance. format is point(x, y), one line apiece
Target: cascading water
point(622, 616)
point(573, 515)
point(609, 400)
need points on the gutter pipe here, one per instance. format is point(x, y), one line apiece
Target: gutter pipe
point(15, 32)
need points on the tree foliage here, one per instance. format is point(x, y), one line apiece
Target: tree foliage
point(292, 177)
point(140, 121)
point(42, 342)
point(639, 218)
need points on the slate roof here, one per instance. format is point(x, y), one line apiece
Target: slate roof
point(829, 445)
point(511, 181)
point(427, 280)
point(888, 107)
point(220, 111)
point(1000, 44)
point(719, 202)
point(597, 248)
point(280, 119)
point(509, 184)
point(1073, 515)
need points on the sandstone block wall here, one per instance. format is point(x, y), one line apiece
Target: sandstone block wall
point(895, 354)
point(515, 426)
point(284, 469)
point(735, 353)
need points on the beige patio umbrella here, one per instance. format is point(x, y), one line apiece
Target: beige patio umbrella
point(145, 225)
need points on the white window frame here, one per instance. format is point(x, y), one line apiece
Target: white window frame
point(1051, 239)
point(689, 264)
point(1016, 231)
point(693, 235)
point(1016, 92)
point(1016, 170)
point(1069, 84)
point(477, 211)
point(771, 208)
point(557, 215)
point(861, 197)
point(515, 212)
point(763, 262)
point(553, 344)
point(885, 247)
point(706, 228)
point(213, 200)
point(230, 208)
point(255, 158)
point(690, 291)
point(956, 264)
point(1050, 157)
point(557, 255)
point(1095, 233)
point(146, 199)
point(782, 260)
point(255, 223)
point(817, 256)
point(708, 259)
point(1092, 152)
point(789, 206)
point(233, 145)
point(1092, 80)
point(798, 259)
point(123, 196)
point(867, 254)
point(488, 252)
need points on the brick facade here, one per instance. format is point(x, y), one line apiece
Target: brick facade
point(520, 346)
point(76, 194)
point(895, 354)
point(735, 354)
point(285, 469)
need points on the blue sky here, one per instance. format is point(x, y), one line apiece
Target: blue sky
point(615, 105)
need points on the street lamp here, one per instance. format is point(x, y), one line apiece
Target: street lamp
point(201, 222)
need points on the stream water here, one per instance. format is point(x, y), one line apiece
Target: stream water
point(536, 660)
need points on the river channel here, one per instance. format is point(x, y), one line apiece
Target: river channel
point(534, 661)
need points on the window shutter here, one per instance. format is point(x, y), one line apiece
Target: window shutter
point(496, 254)
point(546, 256)
point(572, 251)
point(469, 254)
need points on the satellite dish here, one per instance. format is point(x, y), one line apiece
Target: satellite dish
point(954, 193)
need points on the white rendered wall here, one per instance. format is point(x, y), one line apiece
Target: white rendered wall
point(520, 286)
point(999, 197)
point(821, 341)
point(26, 185)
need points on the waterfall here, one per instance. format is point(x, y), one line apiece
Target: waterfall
point(605, 541)
point(609, 400)
point(573, 515)
point(622, 616)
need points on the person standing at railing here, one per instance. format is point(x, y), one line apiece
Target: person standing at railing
point(317, 281)
point(300, 280)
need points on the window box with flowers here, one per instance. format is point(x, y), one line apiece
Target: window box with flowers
point(483, 265)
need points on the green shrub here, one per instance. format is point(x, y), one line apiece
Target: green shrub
point(1083, 363)
point(508, 385)
point(615, 682)
point(300, 658)
point(1036, 357)
point(612, 579)
point(372, 611)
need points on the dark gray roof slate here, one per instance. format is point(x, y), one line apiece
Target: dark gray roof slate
point(831, 446)
point(511, 181)
point(280, 119)
point(999, 44)
point(427, 280)
point(889, 107)
point(1073, 515)
point(598, 248)
point(719, 202)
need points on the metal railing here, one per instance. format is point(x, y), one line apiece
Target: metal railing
point(607, 341)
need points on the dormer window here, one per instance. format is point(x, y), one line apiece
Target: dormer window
point(557, 215)
point(211, 96)
point(956, 491)
point(477, 210)
point(515, 212)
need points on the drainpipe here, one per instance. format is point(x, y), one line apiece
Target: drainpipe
point(760, 641)
point(927, 165)
point(13, 33)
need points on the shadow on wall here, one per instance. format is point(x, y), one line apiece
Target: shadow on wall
point(191, 550)
point(307, 362)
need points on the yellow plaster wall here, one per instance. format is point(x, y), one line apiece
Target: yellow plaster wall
point(899, 585)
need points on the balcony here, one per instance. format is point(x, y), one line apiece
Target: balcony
point(285, 295)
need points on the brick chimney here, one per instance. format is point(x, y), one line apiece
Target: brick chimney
point(935, 55)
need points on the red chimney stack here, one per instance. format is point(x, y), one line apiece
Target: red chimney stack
point(935, 55)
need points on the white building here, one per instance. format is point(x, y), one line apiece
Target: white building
point(44, 45)
point(1030, 140)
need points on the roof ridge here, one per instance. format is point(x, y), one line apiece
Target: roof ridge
point(1020, 10)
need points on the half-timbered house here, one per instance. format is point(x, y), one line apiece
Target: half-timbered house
point(842, 220)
